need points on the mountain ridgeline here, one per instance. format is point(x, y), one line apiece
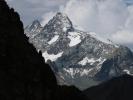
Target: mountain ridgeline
point(76, 57)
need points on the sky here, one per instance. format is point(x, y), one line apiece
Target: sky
point(108, 19)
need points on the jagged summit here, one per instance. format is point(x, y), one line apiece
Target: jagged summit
point(34, 28)
point(60, 21)
point(61, 15)
point(36, 23)
point(63, 18)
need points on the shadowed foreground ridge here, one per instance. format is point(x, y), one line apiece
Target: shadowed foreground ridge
point(120, 88)
point(23, 73)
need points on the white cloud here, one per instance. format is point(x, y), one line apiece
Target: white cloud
point(123, 37)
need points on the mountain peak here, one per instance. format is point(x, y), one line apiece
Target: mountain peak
point(59, 14)
point(34, 28)
point(60, 21)
point(36, 22)
point(34, 25)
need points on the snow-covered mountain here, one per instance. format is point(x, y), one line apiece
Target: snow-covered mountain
point(78, 58)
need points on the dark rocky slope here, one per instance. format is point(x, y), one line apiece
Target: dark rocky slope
point(23, 73)
point(120, 88)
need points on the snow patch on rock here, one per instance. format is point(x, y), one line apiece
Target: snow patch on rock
point(54, 39)
point(86, 72)
point(64, 29)
point(87, 60)
point(127, 72)
point(91, 61)
point(71, 71)
point(74, 71)
point(74, 38)
point(51, 57)
point(101, 61)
